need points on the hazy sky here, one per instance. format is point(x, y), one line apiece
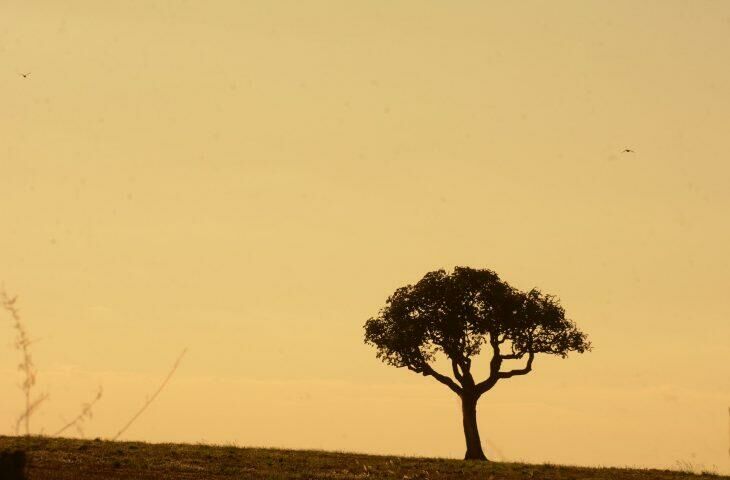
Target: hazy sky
point(253, 179)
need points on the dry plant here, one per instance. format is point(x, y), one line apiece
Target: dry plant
point(495, 449)
point(154, 395)
point(22, 344)
point(86, 414)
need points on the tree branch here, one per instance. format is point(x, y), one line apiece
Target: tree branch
point(455, 368)
point(513, 356)
point(494, 364)
point(427, 370)
point(521, 371)
point(496, 360)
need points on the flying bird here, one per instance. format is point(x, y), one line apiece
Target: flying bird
point(628, 150)
point(25, 75)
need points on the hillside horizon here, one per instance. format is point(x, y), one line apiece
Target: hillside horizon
point(67, 458)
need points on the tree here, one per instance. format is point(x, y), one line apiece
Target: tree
point(459, 313)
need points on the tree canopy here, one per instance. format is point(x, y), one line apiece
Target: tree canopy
point(462, 312)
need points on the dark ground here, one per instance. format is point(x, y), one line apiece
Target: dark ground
point(66, 459)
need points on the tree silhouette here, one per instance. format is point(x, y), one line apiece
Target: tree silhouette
point(458, 314)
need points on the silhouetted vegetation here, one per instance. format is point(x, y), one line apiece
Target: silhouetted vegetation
point(27, 367)
point(12, 463)
point(85, 414)
point(30, 373)
point(154, 395)
point(457, 314)
point(71, 459)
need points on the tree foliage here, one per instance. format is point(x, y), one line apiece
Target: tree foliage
point(461, 313)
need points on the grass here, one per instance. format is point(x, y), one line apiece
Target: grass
point(65, 459)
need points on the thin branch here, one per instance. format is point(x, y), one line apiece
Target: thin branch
point(152, 398)
point(85, 414)
point(32, 406)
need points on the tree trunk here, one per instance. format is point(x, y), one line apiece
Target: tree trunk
point(471, 431)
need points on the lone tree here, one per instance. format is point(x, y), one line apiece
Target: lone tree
point(458, 314)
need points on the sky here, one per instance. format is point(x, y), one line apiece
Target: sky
point(251, 179)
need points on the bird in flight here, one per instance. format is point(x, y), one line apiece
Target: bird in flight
point(628, 150)
point(25, 75)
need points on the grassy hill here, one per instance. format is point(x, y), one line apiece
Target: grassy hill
point(66, 459)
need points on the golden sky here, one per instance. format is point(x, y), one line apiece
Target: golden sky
point(253, 179)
